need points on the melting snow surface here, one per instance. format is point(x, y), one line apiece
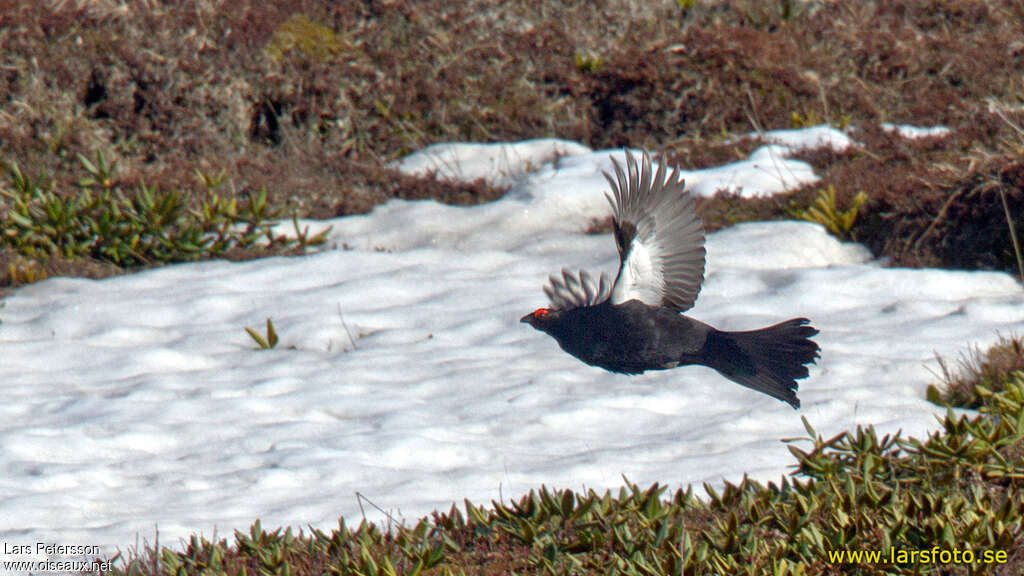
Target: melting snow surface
point(498, 164)
point(138, 402)
point(915, 132)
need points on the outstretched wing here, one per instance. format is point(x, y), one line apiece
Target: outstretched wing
point(576, 291)
point(659, 235)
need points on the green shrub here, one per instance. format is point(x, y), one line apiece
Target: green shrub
point(825, 212)
point(144, 226)
point(960, 488)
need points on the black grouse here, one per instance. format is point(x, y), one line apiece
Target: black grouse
point(635, 324)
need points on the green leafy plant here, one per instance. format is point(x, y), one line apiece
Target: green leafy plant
point(264, 342)
point(145, 226)
point(798, 120)
point(211, 181)
point(587, 63)
point(812, 118)
point(825, 212)
point(101, 172)
point(299, 33)
point(958, 488)
point(25, 271)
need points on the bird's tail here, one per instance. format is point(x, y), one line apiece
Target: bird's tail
point(769, 360)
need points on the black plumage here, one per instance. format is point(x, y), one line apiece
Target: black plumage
point(636, 323)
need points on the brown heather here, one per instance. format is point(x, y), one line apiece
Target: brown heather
point(311, 100)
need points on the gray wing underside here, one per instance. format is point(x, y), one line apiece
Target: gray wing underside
point(577, 290)
point(659, 236)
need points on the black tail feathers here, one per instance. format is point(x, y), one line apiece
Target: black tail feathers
point(769, 360)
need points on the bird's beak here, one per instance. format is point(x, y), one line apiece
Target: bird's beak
point(526, 319)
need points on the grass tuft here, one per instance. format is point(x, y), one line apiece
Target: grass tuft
point(266, 342)
point(979, 374)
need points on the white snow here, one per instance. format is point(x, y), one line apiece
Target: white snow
point(769, 169)
point(138, 402)
point(914, 132)
point(499, 164)
point(766, 172)
point(821, 136)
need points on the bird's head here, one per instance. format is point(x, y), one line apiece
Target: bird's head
point(541, 318)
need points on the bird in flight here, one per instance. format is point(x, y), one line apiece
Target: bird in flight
point(635, 323)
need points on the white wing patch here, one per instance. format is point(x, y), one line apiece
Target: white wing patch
point(577, 290)
point(640, 277)
point(659, 236)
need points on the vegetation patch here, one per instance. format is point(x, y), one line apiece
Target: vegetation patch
point(978, 374)
point(267, 341)
point(311, 101)
point(102, 222)
point(824, 211)
point(960, 489)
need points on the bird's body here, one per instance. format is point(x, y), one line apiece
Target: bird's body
point(630, 338)
point(636, 325)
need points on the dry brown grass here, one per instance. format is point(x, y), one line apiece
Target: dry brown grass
point(311, 99)
point(991, 369)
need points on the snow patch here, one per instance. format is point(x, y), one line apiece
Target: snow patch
point(401, 338)
point(916, 132)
